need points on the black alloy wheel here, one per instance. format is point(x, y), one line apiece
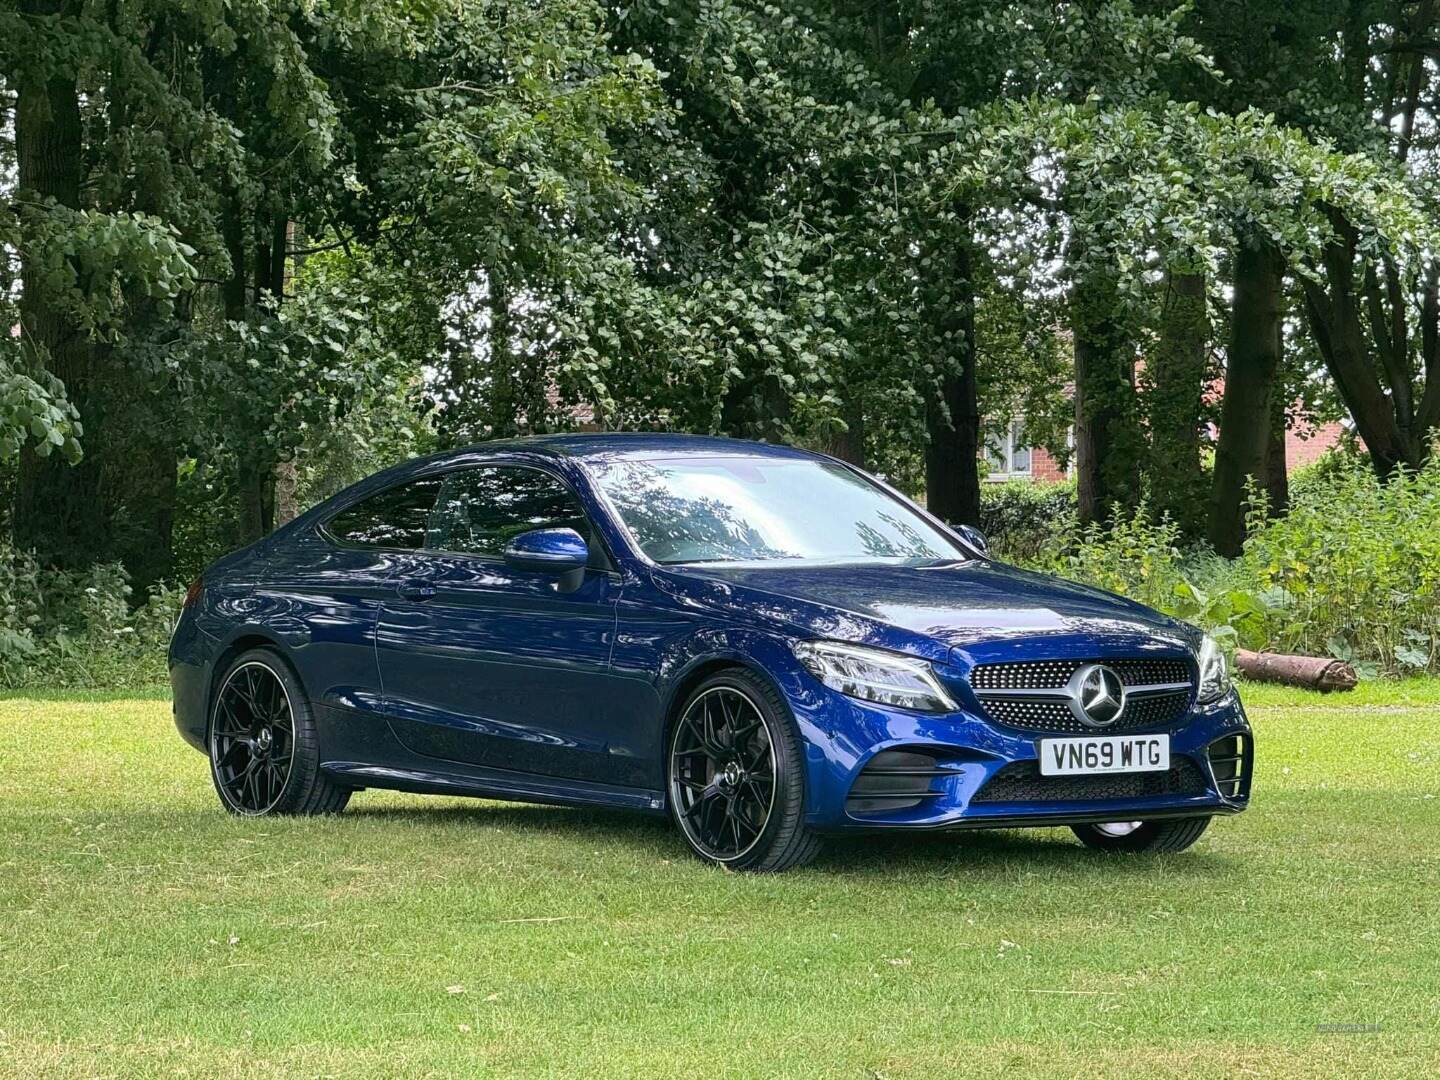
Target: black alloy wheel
point(735, 784)
point(264, 751)
point(253, 741)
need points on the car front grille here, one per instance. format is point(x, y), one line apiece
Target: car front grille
point(1029, 694)
point(1021, 782)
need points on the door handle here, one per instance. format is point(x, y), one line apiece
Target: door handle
point(415, 590)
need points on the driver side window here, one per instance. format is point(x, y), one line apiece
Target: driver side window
point(479, 511)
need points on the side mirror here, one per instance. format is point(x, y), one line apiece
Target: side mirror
point(975, 538)
point(549, 551)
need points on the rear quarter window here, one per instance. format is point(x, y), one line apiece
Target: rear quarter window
point(394, 518)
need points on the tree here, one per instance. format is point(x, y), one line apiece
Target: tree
point(1177, 376)
point(1246, 418)
point(172, 161)
point(1355, 75)
point(87, 265)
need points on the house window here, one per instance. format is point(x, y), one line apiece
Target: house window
point(1008, 453)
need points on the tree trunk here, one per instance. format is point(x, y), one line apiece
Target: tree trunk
point(1277, 468)
point(504, 378)
point(1333, 312)
point(256, 515)
point(1246, 413)
point(286, 481)
point(1312, 672)
point(952, 453)
point(58, 511)
point(849, 445)
point(1108, 442)
point(233, 293)
point(140, 471)
point(136, 448)
point(1177, 389)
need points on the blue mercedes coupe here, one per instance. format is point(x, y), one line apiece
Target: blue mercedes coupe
point(766, 644)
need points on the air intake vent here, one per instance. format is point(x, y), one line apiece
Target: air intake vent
point(1231, 759)
point(1022, 782)
point(894, 780)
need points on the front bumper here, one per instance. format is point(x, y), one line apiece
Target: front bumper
point(954, 758)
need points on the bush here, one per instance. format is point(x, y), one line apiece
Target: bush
point(1021, 518)
point(1135, 556)
point(1352, 571)
point(1355, 568)
point(77, 629)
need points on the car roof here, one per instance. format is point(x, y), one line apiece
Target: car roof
point(612, 445)
point(574, 446)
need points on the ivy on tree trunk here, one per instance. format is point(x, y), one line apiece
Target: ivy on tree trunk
point(1175, 399)
point(1250, 379)
point(1108, 440)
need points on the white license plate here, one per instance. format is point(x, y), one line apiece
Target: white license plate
point(1104, 754)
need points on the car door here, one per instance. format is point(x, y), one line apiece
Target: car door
point(496, 666)
point(321, 596)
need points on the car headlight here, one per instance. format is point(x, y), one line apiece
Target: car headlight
point(873, 675)
point(1214, 672)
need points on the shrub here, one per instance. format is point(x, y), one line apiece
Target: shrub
point(77, 629)
point(1352, 571)
point(1136, 556)
point(1355, 565)
point(1020, 518)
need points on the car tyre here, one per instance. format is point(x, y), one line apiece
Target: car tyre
point(734, 750)
point(1158, 837)
point(263, 744)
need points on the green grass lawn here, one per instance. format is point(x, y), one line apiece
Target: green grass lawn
point(145, 932)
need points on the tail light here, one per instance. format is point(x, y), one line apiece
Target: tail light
point(194, 592)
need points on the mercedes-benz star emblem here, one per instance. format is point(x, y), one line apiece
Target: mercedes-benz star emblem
point(1097, 696)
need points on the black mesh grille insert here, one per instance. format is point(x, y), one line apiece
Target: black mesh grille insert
point(1152, 711)
point(1022, 782)
point(1140, 713)
point(1054, 674)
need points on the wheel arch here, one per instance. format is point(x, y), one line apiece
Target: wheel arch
point(241, 643)
point(794, 843)
point(700, 670)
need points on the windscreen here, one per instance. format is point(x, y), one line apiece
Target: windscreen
point(703, 509)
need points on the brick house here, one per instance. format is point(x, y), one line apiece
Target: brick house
point(1011, 458)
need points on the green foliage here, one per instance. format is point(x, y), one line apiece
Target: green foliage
point(1355, 566)
point(311, 237)
point(1133, 554)
point(1020, 519)
point(1353, 571)
point(79, 629)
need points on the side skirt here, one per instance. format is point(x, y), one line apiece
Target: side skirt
point(355, 740)
point(495, 785)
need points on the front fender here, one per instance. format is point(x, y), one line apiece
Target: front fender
point(671, 651)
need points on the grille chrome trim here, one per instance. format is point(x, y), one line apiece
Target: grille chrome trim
point(1062, 694)
point(1054, 674)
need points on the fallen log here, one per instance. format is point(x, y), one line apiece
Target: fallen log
point(1311, 672)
